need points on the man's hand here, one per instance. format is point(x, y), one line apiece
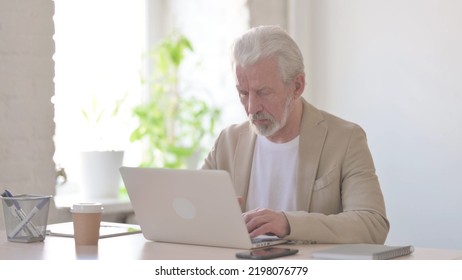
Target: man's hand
point(266, 221)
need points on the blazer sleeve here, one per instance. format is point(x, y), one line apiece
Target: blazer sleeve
point(222, 152)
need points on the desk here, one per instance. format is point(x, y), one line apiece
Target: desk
point(135, 247)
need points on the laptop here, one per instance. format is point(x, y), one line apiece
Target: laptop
point(189, 206)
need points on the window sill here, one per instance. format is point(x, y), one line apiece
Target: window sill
point(111, 205)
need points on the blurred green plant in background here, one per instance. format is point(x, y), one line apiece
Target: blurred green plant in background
point(171, 124)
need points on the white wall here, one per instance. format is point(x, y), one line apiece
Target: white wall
point(26, 88)
point(395, 67)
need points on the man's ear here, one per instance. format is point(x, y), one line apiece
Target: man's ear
point(299, 85)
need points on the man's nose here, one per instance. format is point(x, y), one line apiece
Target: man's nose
point(254, 104)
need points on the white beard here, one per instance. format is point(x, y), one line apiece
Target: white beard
point(274, 126)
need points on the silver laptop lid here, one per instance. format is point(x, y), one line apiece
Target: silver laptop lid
point(186, 206)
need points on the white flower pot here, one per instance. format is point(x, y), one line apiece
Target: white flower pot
point(100, 177)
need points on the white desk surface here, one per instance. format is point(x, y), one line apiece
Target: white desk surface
point(136, 247)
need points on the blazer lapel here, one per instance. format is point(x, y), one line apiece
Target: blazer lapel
point(313, 133)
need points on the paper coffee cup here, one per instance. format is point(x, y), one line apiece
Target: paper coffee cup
point(86, 219)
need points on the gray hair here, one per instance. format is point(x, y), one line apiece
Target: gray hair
point(269, 41)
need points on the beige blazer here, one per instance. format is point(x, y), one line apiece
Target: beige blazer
point(337, 185)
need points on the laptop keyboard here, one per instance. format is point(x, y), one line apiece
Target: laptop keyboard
point(264, 238)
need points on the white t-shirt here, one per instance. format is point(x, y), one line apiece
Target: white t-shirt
point(274, 175)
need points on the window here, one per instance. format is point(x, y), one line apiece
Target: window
point(212, 26)
point(100, 47)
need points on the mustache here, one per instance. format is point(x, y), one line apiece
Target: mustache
point(260, 116)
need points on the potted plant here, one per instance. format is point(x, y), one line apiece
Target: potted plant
point(101, 156)
point(172, 123)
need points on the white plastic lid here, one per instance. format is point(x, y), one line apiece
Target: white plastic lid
point(87, 207)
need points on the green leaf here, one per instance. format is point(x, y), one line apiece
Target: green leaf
point(172, 127)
